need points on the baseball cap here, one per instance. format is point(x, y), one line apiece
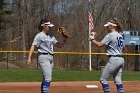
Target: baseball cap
point(110, 23)
point(48, 24)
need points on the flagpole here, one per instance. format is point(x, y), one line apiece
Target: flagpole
point(89, 51)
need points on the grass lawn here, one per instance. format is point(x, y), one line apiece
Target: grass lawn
point(32, 75)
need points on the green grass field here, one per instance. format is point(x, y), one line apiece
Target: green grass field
point(30, 75)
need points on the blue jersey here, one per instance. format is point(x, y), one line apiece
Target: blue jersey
point(114, 43)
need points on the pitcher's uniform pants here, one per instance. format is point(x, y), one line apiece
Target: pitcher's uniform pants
point(113, 67)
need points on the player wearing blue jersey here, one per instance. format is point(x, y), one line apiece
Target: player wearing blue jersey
point(44, 42)
point(114, 45)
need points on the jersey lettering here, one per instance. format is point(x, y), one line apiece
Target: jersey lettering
point(119, 42)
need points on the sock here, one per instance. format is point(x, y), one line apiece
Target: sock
point(45, 87)
point(120, 88)
point(106, 88)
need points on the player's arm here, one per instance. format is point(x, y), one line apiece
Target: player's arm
point(100, 44)
point(30, 54)
point(65, 36)
point(92, 38)
point(61, 43)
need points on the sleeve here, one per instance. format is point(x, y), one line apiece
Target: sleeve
point(54, 40)
point(36, 41)
point(106, 39)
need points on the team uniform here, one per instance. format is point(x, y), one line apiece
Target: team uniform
point(114, 46)
point(44, 44)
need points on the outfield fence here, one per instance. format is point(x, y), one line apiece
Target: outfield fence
point(66, 60)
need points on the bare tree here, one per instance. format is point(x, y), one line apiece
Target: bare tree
point(21, 25)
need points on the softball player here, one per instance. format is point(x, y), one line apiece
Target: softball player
point(114, 45)
point(44, 42)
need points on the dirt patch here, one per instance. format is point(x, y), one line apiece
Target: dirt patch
point(66, 87)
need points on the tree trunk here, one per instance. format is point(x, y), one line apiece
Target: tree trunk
point(23, 26)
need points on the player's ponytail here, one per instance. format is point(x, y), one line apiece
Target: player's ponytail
point(119, 26)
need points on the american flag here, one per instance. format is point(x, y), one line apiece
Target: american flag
point(90, 18)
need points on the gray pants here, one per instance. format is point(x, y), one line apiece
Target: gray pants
point(46, 65)
point(113, 67)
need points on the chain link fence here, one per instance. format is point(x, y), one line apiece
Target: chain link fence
point(66, 61)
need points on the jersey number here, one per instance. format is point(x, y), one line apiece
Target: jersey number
point(120, 42)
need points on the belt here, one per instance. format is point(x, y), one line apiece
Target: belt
point(115, 56)
point(45, 54)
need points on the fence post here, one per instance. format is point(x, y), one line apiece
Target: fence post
point(81, 62)
point(137, 64)
point(127, 63)
point(7, 60)
point(37, 61)
point(67, 62)
point(97, 60)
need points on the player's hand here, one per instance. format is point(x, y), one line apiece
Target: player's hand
point(92, 35)
point(29, 61)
